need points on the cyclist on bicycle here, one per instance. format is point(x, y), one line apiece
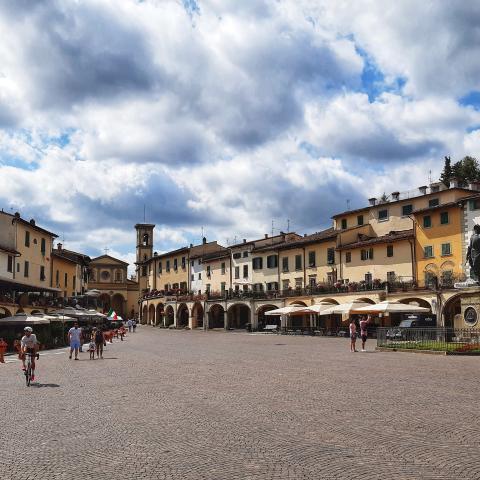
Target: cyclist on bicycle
point(29, 344)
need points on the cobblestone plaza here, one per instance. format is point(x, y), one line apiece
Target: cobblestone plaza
point(216, 405)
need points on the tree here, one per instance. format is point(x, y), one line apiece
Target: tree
point(447, 172)
point(466, 170)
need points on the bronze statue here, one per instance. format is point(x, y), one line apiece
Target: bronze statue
point(473, 253)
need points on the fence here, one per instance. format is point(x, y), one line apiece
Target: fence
point(459, 340)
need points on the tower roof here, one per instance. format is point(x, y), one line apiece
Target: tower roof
point(143, 225)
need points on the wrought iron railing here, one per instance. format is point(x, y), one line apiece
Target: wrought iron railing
point(455, 340)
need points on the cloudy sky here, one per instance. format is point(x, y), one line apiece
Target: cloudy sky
point(224, 115)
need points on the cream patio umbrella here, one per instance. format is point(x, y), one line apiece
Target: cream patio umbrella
point(318, 307)
point(345, 308)
point(290, 310)
point(390, 306)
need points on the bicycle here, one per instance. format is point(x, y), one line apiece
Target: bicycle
point(28, 369)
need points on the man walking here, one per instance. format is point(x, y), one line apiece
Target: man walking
point(129, 325)
point(75, 338)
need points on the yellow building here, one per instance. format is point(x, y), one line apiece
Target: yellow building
point(110, 276)
point(217, 272)
point(438, 244)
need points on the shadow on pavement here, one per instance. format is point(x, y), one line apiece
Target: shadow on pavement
point(41, 385)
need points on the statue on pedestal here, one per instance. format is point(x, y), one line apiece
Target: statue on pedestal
point(473, 254)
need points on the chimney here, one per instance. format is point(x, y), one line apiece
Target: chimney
point(204, 240)
point(266, 235)
point(474, 185)
point(59, 247)
point(454, 182)
point(372, 201)
point(32, 222)
point(244, 240)
point(155, 254)
point(17, 215)
point(191, 245)
point(304, 234)
point(395, 196)
point(423, 189)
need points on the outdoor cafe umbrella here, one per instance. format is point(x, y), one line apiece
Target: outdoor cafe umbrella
point(318, 307)
point(290, 310)
point(345, 308)
point(388, 306)
point(24, 319)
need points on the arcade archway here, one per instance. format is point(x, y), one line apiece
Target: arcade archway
point(216, 317)
point(182, 316)
point(104, 302)
point(159, 314)
point(144, 318)
point(118, 304)
point(169, 316)
point(238, 316)
point(267, 320)
point(151, 315)
point(197, 315)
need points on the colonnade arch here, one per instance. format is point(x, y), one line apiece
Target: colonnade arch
point(159, 313)
point(216, 315)
point(182, 316)
point(144, 318)
point(151, 315)
point(197, 315)
point(238, 315)
point(169, 315)
point(267, 320)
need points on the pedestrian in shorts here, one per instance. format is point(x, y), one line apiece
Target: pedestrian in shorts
point(353, 335)
point(364, 331)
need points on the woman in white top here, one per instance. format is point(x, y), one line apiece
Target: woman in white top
point(353, 335)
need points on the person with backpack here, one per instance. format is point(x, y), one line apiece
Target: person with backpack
point(97, 336)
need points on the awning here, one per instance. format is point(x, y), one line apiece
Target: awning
point(388, 306)
point(345, 308)
point(23, 319)
point(290, 310)
point(13, 284)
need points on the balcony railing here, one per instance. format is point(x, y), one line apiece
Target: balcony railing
point(397, 284)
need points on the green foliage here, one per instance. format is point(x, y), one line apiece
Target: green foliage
point(465, 170)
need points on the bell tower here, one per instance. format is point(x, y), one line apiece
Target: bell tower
point(144, 249)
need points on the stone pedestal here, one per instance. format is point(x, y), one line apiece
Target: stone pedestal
point(470, 304)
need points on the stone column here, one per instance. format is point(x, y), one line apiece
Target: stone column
point(254, 319)
point(190, 320)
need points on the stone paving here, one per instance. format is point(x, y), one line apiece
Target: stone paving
point(196, 405)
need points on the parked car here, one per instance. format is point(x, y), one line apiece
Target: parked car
point(403, 331)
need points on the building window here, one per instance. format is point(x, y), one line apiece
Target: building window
point(245, 271)
point(43, 246)
point(66, 280)
point(427, 221)
point(222, 287)
point(383, 215)
point(389, 250)
point(348, 257)
point(200, 276)
point(118, 276)
point(298, 262)
point(159, 268)
point(25, 268)
point(183, 263)
point(272, 286)
point(209, 273)
point(192, 277)
point(223, 268)
point(18, 268)
point(167, 265)
point(428, 251)
point(407, 210)
point(192, 263)
point(330, 256)
point(285, 264)
point(360, 220)
point(433, 202)
point(10, 264)
point(257, 263)
point(366, 254)
point(245, 254)
point(57, 278)
point(74, 286)
point(285, 284)
point(237, 255)
point(391, 277)
point(207, 288)
point(42, 273)
point(368, 278)
point(299, 282)
point(144, 271)
point(27, 238)
point(446, 249)
point(237, 272)
point(312, 280)
point(474, 204)
point(443, 218)
point(272, 261)
point(344, 223)
point(175, 264)
point(311, 259)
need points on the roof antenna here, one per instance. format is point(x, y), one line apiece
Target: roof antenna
point(144, 221)
point(288, 225)
point(106, 250)
point(272, 227)
point(429, 177)
point(348, 204)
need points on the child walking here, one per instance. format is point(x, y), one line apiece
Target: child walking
point(91, 348)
